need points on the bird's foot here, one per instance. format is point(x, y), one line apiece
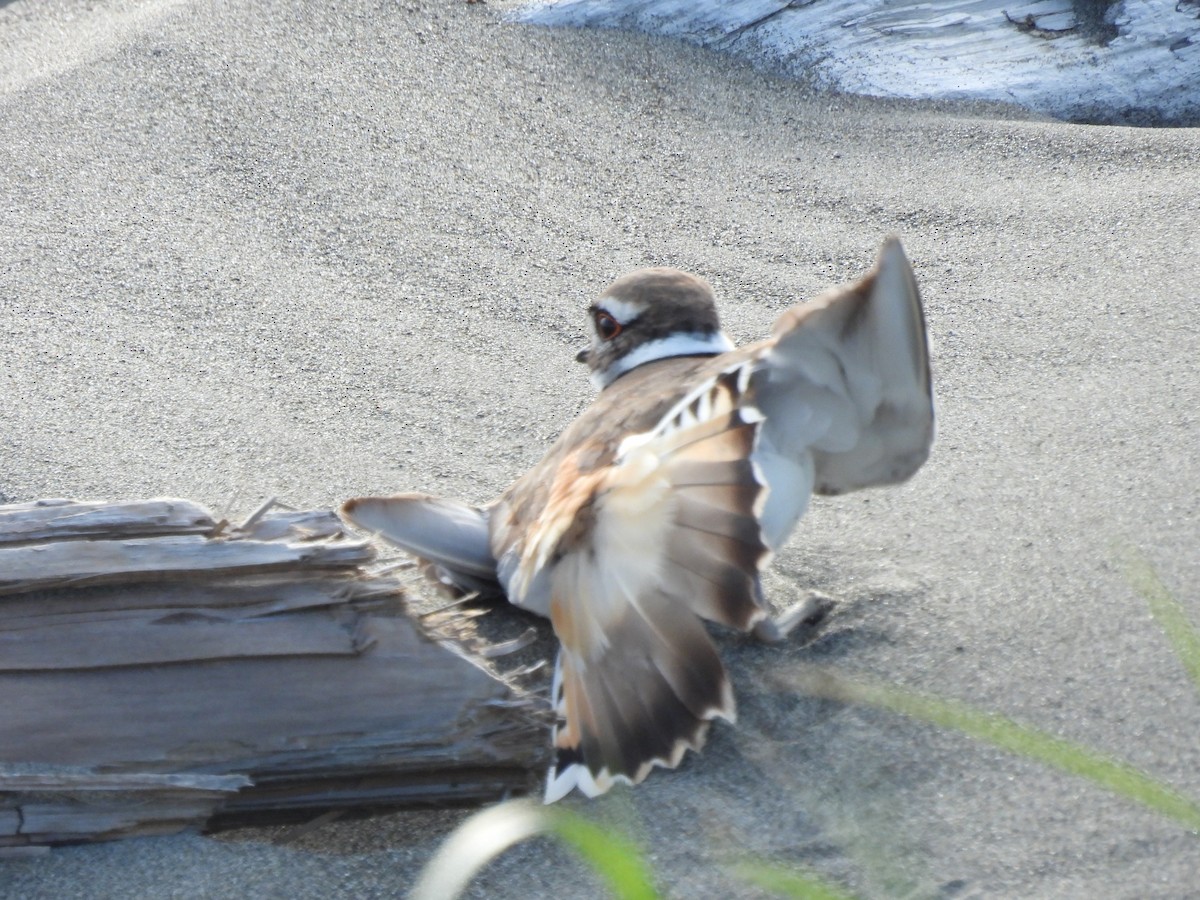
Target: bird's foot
point(804, 618)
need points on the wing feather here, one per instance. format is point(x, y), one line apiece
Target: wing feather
point(695, 514)
point(450, 538)
point(848, 381)
point(642, 704)
point(674, 537)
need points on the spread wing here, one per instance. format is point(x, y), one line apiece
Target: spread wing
point(847, 381)
point(631, 554)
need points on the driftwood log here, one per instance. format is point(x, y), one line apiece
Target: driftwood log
point(160, 671)
point(1098, 61)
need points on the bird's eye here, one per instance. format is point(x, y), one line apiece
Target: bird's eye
point(606, 326)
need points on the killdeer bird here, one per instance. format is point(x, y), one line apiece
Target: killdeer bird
point(661, 504)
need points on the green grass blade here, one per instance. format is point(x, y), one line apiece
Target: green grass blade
point(786, 882)
point(1112, 774)
point(1167, 611)
point(613, 857)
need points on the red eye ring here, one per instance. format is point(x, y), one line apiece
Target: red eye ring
point(607, 326)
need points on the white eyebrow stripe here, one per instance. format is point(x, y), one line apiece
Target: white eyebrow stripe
point(691, 344)
point(621, 310)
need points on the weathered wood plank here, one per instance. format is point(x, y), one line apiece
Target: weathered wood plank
point(62, 520)
point(298, 800)
point(10, 822)
point(153, 684)
point(305, 524)
point(172, 636)
point(55, 806)
point(251, 595)
point(253, 715)
point(75, 563)
point(58, 781)
point(124, 816)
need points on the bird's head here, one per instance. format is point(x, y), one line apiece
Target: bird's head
point(651, 314)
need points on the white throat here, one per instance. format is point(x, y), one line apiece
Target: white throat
point(672, 345)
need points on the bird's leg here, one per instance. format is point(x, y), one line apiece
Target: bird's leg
point(805, 618)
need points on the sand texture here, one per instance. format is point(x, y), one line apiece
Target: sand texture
point(321, 250)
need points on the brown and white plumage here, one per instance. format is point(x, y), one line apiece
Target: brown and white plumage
point(661, 504)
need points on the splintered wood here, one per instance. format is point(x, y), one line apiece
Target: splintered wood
point(160, 670)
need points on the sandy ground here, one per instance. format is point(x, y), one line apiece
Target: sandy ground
point(317, 250)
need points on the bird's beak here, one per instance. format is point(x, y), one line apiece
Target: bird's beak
point(582, 355)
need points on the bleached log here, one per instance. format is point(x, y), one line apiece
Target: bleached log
point(1120, 63)
point(58, 782)
point(246, 595)
point(57, 807)
point(62, 520)
point(10, 823)
point(75, 563)
point(305, 524)
point(90, 642)
point(133, 706)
